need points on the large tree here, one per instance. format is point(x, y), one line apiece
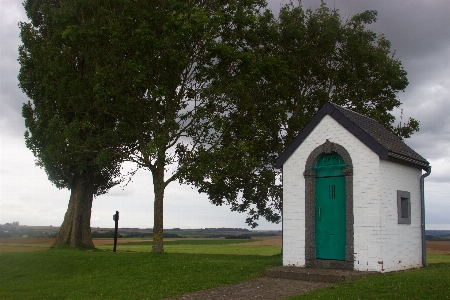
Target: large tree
point(167, 74)
point(297, 62)
point(70, 134)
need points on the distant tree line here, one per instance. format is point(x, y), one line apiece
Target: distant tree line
point(110, 234)
point(238, 237)
point(437, 235)
point(226, 229)
point(437, 238)
point(20, 231)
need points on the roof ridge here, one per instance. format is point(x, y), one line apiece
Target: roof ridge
point(352, 111)
point(391, 135)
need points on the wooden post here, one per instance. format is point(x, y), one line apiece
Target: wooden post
point(116, 219)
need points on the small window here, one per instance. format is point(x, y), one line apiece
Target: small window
point(404, 207)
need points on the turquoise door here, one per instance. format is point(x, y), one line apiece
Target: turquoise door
point(330, 208)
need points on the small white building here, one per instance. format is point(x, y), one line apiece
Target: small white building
point(352, 196)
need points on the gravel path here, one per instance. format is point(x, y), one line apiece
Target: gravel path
point(261, 288)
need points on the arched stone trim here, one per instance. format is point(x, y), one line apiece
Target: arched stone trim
point(310, 202)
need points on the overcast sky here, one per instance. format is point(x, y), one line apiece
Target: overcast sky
point(420, 35)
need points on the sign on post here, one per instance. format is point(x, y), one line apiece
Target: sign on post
point(116, 219)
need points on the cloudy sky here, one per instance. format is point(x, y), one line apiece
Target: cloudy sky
point(420, 35)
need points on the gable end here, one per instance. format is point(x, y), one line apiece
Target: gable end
point(338, 116)
point(371, 133)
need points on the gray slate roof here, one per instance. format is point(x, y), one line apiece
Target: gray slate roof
point(374, 135)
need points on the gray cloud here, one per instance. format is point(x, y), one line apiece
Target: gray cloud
point(11, 97)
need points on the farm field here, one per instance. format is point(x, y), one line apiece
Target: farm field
point(261, 246)
point(34, 244)
point(30, 271)
point(438, 247)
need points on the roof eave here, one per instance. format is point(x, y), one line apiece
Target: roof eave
point(423, 164)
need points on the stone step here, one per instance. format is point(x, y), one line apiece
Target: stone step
point(316, 275)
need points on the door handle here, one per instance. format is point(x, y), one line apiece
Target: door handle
point(319, 215)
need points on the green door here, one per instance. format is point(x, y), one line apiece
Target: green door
point(330, 210)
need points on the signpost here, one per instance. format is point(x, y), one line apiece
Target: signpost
point(116, 219)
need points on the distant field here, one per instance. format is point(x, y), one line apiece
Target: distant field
point(259, 246)
point(438, 247)
point(32, 244)
point(267, 246)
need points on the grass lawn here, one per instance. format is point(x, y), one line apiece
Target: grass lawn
point(76, 274)
point(188, 265)
point(432, 282)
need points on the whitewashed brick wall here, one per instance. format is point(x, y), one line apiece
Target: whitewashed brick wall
point(379, 242)
point(402, 244)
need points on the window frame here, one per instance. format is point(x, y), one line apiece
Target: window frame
point(403, 195)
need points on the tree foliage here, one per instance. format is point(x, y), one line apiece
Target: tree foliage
point(295, 63)
point(169, 64)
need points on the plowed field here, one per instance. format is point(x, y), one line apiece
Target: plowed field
point(438, 247)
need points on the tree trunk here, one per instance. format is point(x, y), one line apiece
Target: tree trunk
point(75, 230)
point(158, 187)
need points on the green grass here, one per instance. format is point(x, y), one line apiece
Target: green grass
point(25, 246)
point(76, 274)
point(188, 266)
point(438, 258)
point(432, 282)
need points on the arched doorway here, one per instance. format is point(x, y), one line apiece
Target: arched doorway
point(330, 208)
point(313, 175)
